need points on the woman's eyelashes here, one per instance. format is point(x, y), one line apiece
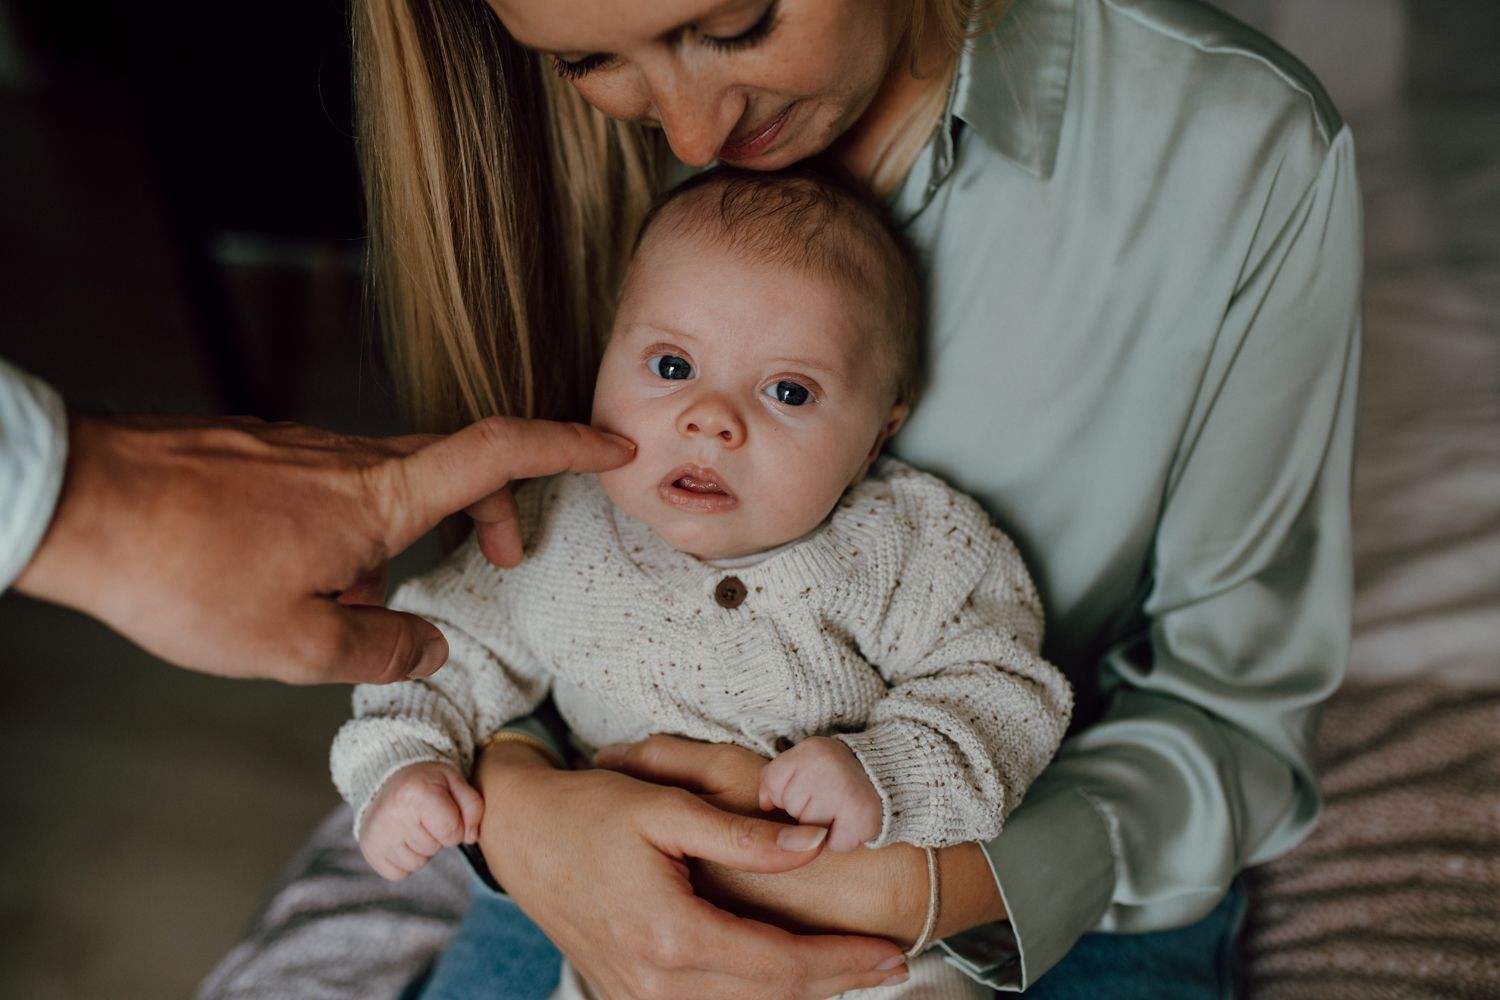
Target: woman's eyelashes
point(573, 69)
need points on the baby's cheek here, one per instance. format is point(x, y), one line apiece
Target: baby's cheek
point(621, 488)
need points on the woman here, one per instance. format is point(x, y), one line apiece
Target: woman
point(1140, 224)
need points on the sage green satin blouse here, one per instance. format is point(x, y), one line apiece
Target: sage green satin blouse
point(1141, 230)
point(1140, 226)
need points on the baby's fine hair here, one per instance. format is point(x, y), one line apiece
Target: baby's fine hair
point(814, 221)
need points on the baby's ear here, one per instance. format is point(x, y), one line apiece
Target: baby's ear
point(892, 424)
point(899, 413)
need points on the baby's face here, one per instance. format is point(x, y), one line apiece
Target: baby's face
point(754, 395)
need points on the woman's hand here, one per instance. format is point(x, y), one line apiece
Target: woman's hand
point(248, 549)
point(599, 861)
point(880, 893)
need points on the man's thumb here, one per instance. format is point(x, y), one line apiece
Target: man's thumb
point(377, 646)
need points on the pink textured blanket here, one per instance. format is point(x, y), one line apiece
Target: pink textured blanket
point(1397, 893)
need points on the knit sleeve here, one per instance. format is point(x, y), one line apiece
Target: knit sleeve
point(973, 713)
point(489, 679)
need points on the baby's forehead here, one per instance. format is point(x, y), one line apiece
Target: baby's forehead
point(696, 267)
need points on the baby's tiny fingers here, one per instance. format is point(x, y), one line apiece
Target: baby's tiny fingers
point(470, 809)
point(386, 868)
point(406, 859)
point(843, 837)
point(426, 838)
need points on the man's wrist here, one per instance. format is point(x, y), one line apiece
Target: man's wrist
point(76, 543)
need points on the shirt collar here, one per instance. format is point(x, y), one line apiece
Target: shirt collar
point(1012, 82)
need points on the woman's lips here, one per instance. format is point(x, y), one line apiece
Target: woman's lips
point(757, 142)
point(694, 487)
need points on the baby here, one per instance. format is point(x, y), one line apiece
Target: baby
point(758, 574)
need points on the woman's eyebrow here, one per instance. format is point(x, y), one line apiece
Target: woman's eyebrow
point(670, 32)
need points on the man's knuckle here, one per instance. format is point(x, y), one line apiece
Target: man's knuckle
point(652, 984)
point(495, 431)
point(661, 950)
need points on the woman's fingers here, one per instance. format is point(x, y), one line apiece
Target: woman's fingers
point(672, 760)
point(747, 958)
point(699, 830)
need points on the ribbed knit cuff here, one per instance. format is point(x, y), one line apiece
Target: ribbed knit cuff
point(893, 755)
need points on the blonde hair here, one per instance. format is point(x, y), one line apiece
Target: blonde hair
point(493, 269)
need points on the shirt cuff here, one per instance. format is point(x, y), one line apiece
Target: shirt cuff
point(1054, 865)
point(33, 455)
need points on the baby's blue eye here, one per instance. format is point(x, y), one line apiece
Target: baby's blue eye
point(788, 392)
point(670, 366)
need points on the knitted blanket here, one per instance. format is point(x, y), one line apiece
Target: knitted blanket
point(1397, 892)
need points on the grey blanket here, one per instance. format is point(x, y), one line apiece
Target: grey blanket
point(332, 929)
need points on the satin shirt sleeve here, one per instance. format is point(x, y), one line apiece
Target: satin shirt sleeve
point(33, 454)
point(1200, 763)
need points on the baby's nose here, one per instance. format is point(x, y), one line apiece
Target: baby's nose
point(713, 417)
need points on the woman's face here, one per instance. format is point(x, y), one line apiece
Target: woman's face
point(757, 83)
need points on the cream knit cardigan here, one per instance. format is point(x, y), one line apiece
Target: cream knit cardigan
point(906, 625)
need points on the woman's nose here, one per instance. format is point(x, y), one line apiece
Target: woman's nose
point(712, 417)
point(697, 115)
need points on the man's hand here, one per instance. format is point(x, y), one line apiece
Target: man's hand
point(248, 549)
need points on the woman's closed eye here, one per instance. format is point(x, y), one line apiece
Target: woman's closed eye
point(789, 392)
point(669, 366)
point(754, 34)
point(572, 69)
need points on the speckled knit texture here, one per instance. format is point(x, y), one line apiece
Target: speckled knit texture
point(907, 625)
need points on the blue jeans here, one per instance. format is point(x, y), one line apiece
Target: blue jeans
point(497, 953)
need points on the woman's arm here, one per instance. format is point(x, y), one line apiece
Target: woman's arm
point(599, 861)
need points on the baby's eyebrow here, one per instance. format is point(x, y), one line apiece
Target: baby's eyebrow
point(825, 373)
point(649, 328)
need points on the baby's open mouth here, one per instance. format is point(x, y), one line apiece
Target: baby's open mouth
point(697, 488)
point(696, 485)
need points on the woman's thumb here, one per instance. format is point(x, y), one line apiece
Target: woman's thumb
point(742, 842)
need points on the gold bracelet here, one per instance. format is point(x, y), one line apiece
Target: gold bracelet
point(929, 926)
point(525, 739)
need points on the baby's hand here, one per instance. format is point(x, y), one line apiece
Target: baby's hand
point(422, 809)
point(820, 781)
